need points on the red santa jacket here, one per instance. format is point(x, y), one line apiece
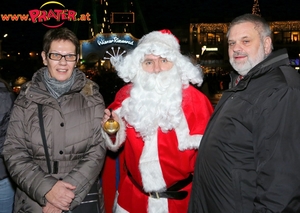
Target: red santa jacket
point(157, 163)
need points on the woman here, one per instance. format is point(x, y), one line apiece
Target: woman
point(63, 104)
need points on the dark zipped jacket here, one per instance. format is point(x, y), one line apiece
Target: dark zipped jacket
point(6, 102)
point(74, 141)
point(249, 157)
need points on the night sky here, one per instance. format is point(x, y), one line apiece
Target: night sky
point(179, 11)
point(157, 14)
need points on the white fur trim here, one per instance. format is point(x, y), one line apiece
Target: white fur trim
point(185, 140)
point(158, 205)
point(119, 209)
point(120, 136)
point(150, 169)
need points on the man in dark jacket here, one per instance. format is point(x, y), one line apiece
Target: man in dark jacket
point(249, 157)
point(6, 186)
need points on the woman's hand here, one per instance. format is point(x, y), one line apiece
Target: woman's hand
point(61, 195)
point(49, 208)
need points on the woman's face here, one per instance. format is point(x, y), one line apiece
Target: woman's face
point(60, 67)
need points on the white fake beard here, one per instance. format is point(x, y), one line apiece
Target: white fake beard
point(155, 101)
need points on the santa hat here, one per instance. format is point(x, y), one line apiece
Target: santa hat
point(162, 39)
point(161, 43)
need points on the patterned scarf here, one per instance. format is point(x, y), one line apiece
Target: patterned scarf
point(58, 88)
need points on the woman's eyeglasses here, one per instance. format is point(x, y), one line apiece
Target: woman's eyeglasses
point(58, 57)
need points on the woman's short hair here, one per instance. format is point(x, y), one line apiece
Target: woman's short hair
point(60, 34)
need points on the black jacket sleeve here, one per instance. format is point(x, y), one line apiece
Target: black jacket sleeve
point(277, 152)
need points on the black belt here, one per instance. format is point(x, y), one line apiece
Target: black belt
point(171, 193)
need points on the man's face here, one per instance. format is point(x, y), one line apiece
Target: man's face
point(156, 64)
point(61, 69)
point(245, 47)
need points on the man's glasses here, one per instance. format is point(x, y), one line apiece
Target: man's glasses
point(58, 57)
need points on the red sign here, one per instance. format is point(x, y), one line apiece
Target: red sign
point(51, 18)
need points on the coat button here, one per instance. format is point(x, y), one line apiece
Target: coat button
point(62, 124)
point(23, 201)
point(61, 152)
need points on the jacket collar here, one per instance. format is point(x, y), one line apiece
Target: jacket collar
point(35, 90)
point(275, 59)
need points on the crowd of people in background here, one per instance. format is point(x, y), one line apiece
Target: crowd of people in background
point(173, 151)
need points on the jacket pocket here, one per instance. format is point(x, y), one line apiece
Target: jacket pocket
point(23, 204)
point(244, 190)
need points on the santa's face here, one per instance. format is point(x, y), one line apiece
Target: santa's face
point(155, 64)
point(155, 101)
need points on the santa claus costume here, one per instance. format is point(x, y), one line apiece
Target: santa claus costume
point(163, 119)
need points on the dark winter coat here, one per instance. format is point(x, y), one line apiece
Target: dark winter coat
point(249, 157)
point(6, 102)
point(73, 132)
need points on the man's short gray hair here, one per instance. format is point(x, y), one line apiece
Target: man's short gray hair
point(261, 25)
